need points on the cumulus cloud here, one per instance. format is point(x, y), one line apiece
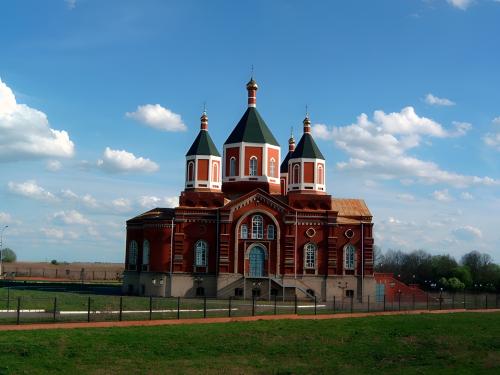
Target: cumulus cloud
point(406, 197)
point(496, 120)
point(53, 165)
point(120, 161)
point(31, 189)
point(150, 202)
point(158, 117)
point(380, 146)
point(466, 196)
point(70, 217)
point(5, 218)
point(54, 233)
point(492, 140)
point(460, 4)
point(71, 4)
point(434, 100)
point(467, 233)
point(25, 132)
point(442, 195)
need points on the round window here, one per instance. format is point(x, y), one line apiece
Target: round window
point(310, 232)
point(349, 233)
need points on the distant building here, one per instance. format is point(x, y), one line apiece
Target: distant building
point(249, 225)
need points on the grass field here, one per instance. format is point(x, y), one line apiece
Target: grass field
point(462, 343)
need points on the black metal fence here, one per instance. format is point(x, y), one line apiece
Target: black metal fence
point(81, 308)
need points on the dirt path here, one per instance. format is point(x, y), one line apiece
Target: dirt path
point(136, 323)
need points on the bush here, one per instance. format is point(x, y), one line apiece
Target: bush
point(54, 262)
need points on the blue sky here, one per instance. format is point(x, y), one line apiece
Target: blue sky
point(99, 101)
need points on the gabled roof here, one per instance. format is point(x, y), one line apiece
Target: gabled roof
point(350, 207)
point(203, 145)
point(307, 148)
point(284, 165)
point(252, 128)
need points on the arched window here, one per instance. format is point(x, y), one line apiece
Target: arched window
point(215, 172)
point(244, 231)
point(200, 256)
point(145, 252)
point(257, 227)
point(190, 173)
point(349, 257)
point(296, 174)
point(272, 167)
point(310, 256)
point(132, 253)
point(232, 166)
point(320, 175)
point(270, 232)
point(253, 166)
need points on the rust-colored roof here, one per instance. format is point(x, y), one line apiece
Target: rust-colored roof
point(350, 207)
point(154, 214)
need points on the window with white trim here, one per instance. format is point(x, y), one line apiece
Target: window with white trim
point(349, 257)
point(310, 256)
point(270, 232)
point(132, 253)
point(272, 167)
point(145, 252)
point(320, 175)
point(296, 174)
point(244, 231)
point(190, 172)
point(232, 166)
point(200, 250)
point(253, 166)
point(257, 227)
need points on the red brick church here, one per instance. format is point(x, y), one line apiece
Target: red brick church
point(249, 223)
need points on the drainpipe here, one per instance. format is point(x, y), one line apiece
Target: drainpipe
point(217, 246)
point(362, 261)
point(295, 253)
point(171, 253)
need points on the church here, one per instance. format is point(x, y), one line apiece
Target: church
point(252, 223)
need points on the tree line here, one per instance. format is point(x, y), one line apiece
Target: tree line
point(475, 270)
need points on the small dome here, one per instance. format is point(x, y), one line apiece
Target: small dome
point(306, 121)
point(291, 141)
point(204, 116)
point(252, 85)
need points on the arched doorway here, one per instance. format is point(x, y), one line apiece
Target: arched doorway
point(257, 257)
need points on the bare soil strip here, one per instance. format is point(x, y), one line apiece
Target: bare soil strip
point(135, 323)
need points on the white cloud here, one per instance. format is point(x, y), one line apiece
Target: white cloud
point(71, 4)
point(53, 165)
point(406, 197)
point(496, 120)
point(434, 100)
point(492, 140)
point(121, 205)
point(5, 218)
point(31, 189)
point(150, 202)
point(442, 195)
point(25, 132)
point(158, 117)
point(54, 233)
point(116, 161)
point(466, 196)
point(467, 233)
point(460, 4)
point(381, 147)
point(70, 217)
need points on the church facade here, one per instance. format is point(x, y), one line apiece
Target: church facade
point(249, 224)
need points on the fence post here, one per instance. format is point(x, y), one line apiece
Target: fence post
point(150, 307)
point(368, 303)
point(55, 308)
point(384, 302)
point(413, 301)
point(496, 301)
point(121, 309)
point(486, 302)
point(275, 299)
point(178, 307)
point(18, 310)
point(441, 301)
point(88, 310)
point(427, 301)
point(465, 306)
point(315, 305)
point(352, 303)
point(229, 307)
point(204, 306)
point(253, 305)
point(333, 303)
point(399, 301)
point(8, 299)
point(295, 304)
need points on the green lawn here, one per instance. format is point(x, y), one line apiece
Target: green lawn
point(463, 343)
